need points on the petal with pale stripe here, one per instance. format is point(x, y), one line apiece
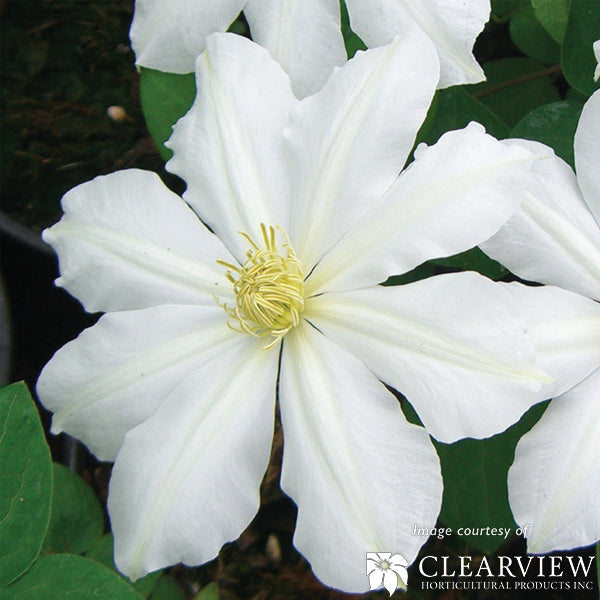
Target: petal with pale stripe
point(303, 36)
point(554, 480)
point(587, 153)
point(360, 474)
point(455, 195)
point(168, 36)
point(553, 237)
point(117, 373)
point(126, 242)
point(228, 147)
point(455, 345)
point(186, 481)
point(452, 26)
point(348, 143)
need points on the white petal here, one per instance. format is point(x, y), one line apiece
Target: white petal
point(228, 147)
point(597, 55)
point(303, 36)
point(587, 153)
point(451, 25)
point(554, 481)
point(376, 579)
point(187, 480)
point(553, 238)
point(349, 141)
point(390, 581)
point(168, 36)
point(117, 373)
point(565, 330)
point(126, 241)
point(454, 345)
point(455, 194)
point(360, 474)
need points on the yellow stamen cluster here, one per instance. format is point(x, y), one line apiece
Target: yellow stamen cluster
point(269, 288)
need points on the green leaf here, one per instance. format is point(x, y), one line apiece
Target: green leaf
point(552, 124)
point(553, 15)
point(454, 108)
point(165, 98)
point(578, 60)
point(352, 41)
point(209, 592)
point(76, 519)
point(60, 576)
point(514, 87)
point(166, 589)
point(475, 490)
point(102, 552)
point(25, 482)
point(504, 8)
point(531, 38)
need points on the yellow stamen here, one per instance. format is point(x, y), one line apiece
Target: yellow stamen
point(269, 288)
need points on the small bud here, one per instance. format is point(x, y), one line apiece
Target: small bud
point(117, 114)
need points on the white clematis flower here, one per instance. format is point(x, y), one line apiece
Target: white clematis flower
point(304, 36)
point(554, 238)
point(178, 381)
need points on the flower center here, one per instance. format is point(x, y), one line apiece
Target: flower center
point(385, 565)
point(269, 288)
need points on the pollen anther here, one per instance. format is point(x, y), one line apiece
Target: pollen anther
point(269, 288)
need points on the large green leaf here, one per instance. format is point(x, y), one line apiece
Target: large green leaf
point(76, 520)
point(578, 60)
point(552, 124)
point(531, 38)
point(514, 87)
point(553, 15)
point(454, 108)
point(165, 97)
point(166, 589)
point(60, 576)
point(102, 552)
point(209, 592)
point(475, 490)
point(25, 482)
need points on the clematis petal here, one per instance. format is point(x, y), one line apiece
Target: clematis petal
point(452, 27)
point(117, 373)
point(126, 241)
point(455, 194)
point(303, 36)
point(360, 474)
point(553, 483)
point(565, 330)
point(187, 480)
point(168, 36)
point(390, 581)
point(455, 345)
point(348, 143)
point(587, 151)
point(597, 55)
point(228, 147)
point(553, 238)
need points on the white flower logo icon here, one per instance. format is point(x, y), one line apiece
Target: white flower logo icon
point(384, 569)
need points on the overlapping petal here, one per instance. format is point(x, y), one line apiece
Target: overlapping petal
point(455, 195)
point(348, 143)
point(359, 472)
point(117, 373)
point(454, 345)
point(452, 26)
point(229, 146)
point(553, 483)
point(126, 241)
point(553, 238)
point(303, 36)
point(565, 330)
point(169, 36)
point(587, 151)
point(187, 480)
